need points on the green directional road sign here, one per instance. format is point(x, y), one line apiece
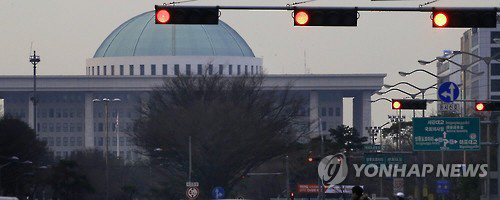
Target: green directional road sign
point(446, 133)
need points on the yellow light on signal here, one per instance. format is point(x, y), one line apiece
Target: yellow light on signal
point(440, 20)
point(479, 107)
point(301, 18)
point(396, 105)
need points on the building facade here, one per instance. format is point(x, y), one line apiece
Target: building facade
point(138, 56)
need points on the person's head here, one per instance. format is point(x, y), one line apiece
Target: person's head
point(357, 192)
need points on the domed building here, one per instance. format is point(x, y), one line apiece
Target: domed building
point(141, 47)
point(139, 55)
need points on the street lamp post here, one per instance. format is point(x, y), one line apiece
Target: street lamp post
point(422, 90)
point(34, 59)
point(106, 138)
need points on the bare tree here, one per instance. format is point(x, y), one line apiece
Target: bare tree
point(235, 125)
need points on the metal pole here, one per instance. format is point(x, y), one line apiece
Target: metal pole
point(190, 166)
point(488, 161)
point(287, 178)
point(399, 131)
point(498, 153)
point(106, 101)
point(465, 104)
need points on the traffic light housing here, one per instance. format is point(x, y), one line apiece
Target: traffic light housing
point(186, 15)
point(325, 17)
point(487, 106)
point(464, 18)
point(292, 195)
point(411, 104)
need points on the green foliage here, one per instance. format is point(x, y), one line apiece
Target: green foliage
point(347, 139)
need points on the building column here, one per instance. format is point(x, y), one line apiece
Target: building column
point(89, 120)
point(362, 112)
point(313, 113)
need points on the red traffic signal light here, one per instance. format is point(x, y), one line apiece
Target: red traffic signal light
point(292, 195)
point(186, 15)
point(325, 17)
point(464, 18)
point(411, 104)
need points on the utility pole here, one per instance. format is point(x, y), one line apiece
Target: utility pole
point(34, 59)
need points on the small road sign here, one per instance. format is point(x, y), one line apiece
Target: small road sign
point(449, 107)
point(192, 193)
point(192, 184)
point(384, 158)
point(218, 193)
point(442, 186)
point(446, 134)
point(448, 92)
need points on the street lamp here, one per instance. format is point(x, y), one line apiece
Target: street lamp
point(422, 90)
point(34, 59)
point(106, 136)
point(382, 98)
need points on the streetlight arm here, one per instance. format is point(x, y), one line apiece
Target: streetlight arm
point(418, 70)
point(402, 91)
point(383, 98)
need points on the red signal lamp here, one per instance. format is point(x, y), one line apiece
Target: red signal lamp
point(162, 16)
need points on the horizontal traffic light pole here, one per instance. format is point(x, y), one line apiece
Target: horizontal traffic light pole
point(404, 9)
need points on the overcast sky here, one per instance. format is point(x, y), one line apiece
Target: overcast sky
point(66, 33)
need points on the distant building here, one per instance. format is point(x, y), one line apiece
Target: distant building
point(136, 57)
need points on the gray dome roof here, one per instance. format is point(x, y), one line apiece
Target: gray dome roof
point(140, 36)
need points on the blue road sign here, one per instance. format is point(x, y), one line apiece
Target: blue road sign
point(218, 193)
point(442, 186)
point(448, 92)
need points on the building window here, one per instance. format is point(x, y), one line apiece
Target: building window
point(323, 111)
point(493, 35)
point(100, 141)
point(246, 69)
point(93, 71)
point(330, 111)
point(100, 127)
point(98, 70)
point(51, 141)
point(495, 69)
point(164, 69)
point(104, 72)
point(200, 69)
point(239, 69)
point(58, 127)
point(188, 69)
point(230, 69)
point(131, 70)
point(221, 69)
point(252, 69)
point(142, 70)
point(176, 69)
point(337, 111)
point(494, 51)
point(210, 69)
point(58, 141)
point(112, 70)
point(121, 70)
point(495, 85)
point(79, 141)
point(153, 69)
point(72, 141)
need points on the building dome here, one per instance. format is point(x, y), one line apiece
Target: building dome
point(140, 36)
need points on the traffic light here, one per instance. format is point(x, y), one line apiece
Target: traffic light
point(325, 17)
point(412, 104)
point(186, 15)
point(464, 18)
point(487, 106)
point(292, 195)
